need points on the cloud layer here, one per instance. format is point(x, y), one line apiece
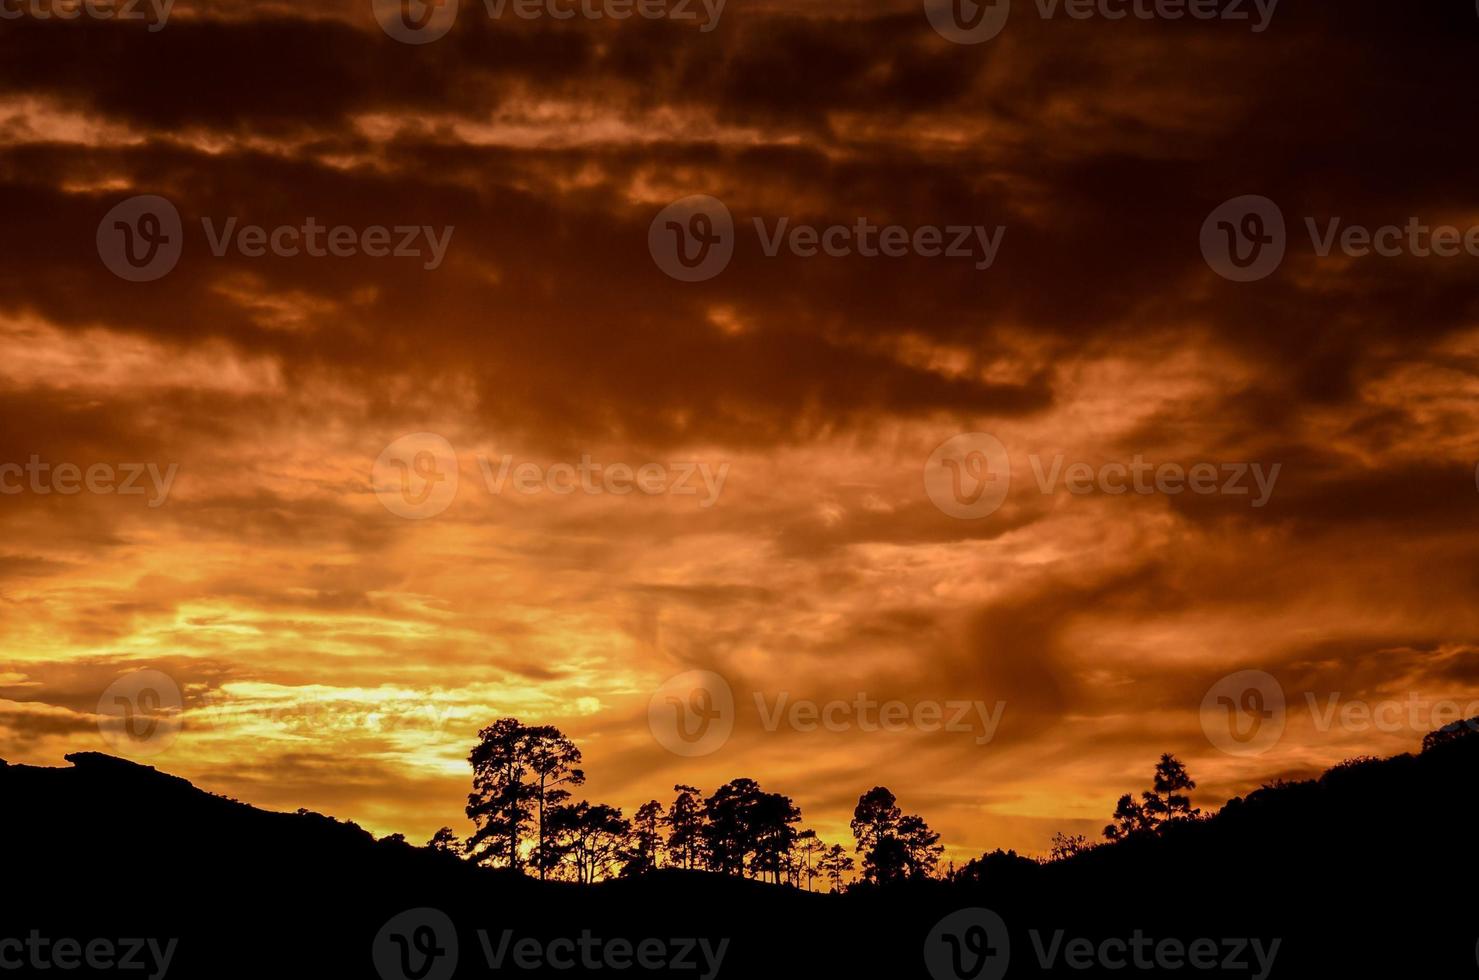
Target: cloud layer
point(334, 655)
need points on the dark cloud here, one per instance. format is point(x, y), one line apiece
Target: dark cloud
point(273, 579)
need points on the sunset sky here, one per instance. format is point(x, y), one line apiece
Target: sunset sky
point(337, 656)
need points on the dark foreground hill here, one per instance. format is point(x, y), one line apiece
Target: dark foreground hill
point(1368, 871)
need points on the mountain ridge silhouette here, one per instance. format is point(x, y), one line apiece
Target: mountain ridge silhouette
point(1350, 871)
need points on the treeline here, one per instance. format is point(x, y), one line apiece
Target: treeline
point(525, 819)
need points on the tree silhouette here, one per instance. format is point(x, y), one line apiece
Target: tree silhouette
point(1168, 801)
point(875, 818)
point(740, 821)
point(685, 822)
point(836, 864)
point(810, 850)
point(726, 827)
point(1165, 803)
point(894, 846)
point(922, 846)
point(1065, 846)
point(553, 759)
point(771, 835)
point(887, 862)
point(1130, 818)
point(519, 773)
point(996, 866)
point(646, 841)
point(1450, 733)
point(499, 805)
point(587, 838)
point(444, 841)
point(795, 869)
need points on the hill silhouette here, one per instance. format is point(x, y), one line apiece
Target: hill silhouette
point(1369, 868)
